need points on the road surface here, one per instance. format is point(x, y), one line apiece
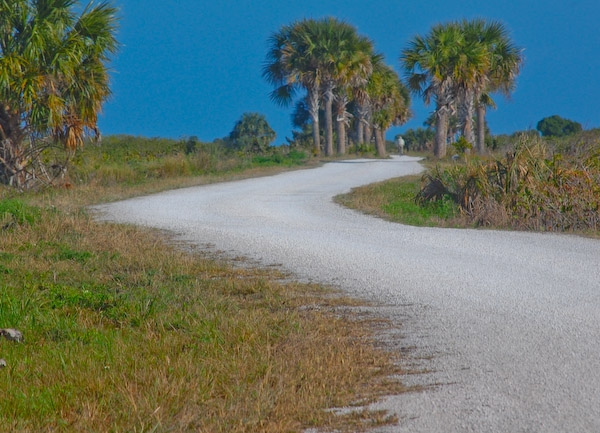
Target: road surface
point(507, 322)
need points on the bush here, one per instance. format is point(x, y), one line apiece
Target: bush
point(531, 188)
point(556, 126)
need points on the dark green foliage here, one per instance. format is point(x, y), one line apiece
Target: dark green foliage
point(556, 126)
point(418, 139)
point(191, 144)
point(252, 133)
point(280, 156)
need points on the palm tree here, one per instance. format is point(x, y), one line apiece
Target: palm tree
point(390, 102)
point(344, 58)
point(505, 63)
point(471, 73)
point(53, 79)
point(429, 65)
point(362, 107)
point(353, 69)
point(291, 63)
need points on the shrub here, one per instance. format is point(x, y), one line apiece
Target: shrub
point(531, 188)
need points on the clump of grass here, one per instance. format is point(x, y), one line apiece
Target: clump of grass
point(125, 333)
point(531, 188)
point(395, 200)
point(16, 212)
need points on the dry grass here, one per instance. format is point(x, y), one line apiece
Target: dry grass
point(126, 333)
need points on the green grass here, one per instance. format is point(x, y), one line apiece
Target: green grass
point(395, 200)
point(130, 161)
point(126, 333)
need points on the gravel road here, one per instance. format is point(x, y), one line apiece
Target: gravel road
point(507, 322)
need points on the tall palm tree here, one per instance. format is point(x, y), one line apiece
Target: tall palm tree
point(53, 79)
point(506, 60)
point(429, 63)
point(292, 62)
point(471, 73)
point(353, 69)
point(343, 57)
point(362, 106)
point(390, 102)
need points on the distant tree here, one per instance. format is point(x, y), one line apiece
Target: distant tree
point(390, 102)
point(429, 63)
point(191, 144)
point(53, 80)
point(252, 133)
point(506, 60)
point(418, 139)
point(556, 126)
point(292, 63)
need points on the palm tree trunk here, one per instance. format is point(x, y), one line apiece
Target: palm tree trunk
point(441, 133)
point(466, 113)
point(341, 124)
point(360, 130)
point(481, 109)
point(341, 135)
point(329, 120)
point(14, 157)
point(368, 134)
point(380, 142)
point(313, 108)
point(361, 115)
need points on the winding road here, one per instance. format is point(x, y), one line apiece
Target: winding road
point(506, 323)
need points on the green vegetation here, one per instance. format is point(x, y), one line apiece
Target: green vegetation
point(540, 184)
point(53, 80)
point(459, 64)
point(395, 200)
point(419, 139)
point(126, 160)
point(556, 126)
point(126, 333)
point(531, 188)
point(252, 133)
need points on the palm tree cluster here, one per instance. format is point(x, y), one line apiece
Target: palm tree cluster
point(53, 79)
point(459, 65)
point(337, 68)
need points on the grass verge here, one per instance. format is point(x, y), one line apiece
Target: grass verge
point(394, 200)
point(124, 332)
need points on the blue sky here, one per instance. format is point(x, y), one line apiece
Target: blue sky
point(193, 67)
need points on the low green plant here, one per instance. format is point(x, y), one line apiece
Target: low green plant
point(461, 146)
point(395, 200)
point(16, 212)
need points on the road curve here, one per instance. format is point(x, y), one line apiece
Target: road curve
point(507, 322)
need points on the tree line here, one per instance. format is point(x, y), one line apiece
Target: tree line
point(54, 80)
point(335, 66)
point(457, 65)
